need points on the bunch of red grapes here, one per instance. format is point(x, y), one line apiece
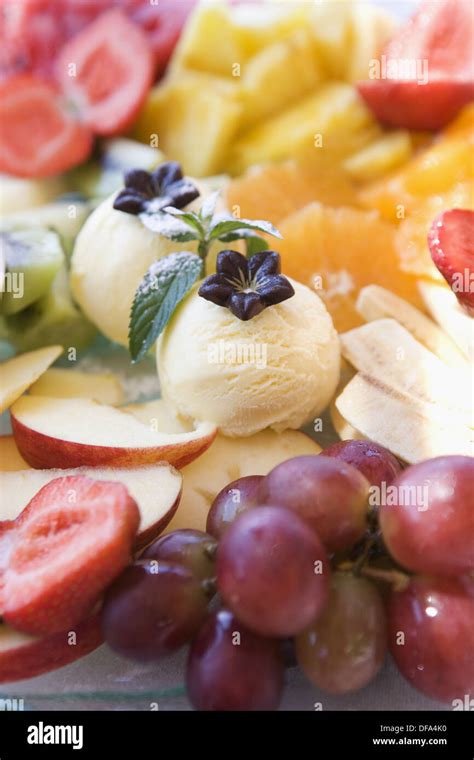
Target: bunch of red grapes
point(328, 560)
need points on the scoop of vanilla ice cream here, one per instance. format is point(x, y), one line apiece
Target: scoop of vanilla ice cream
point(111, 255)
point(279, 369)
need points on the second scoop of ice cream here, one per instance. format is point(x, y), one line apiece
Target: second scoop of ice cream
point(279, 369)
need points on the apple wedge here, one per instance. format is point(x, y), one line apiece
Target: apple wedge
point(77, 432)
point(155, 488)
point(157, 415)
point(17, 374)
point(24, 656)
point(229, 459)
point(70, 383)
point(10, 457)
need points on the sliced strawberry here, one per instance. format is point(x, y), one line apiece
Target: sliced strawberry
point(413, 106)
point(162, 23)
point(37, 136)
point(73, 538)
point(451, 243)
point(437, 44)
point(107, 70)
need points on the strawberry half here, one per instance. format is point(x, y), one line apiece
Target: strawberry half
point(107, 70)
point(38, 137)
point(69, 543)
point(431, 58)
point(451, 244)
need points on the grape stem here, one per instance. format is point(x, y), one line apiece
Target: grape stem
point(395, 578)
point(209, 586)
point(211, 550)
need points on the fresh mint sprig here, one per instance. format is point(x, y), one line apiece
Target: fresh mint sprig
point(168, 280)
point(163, 287)
point(205, 226)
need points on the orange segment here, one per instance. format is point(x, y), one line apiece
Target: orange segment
point(411, 238)
point(434, 170)
point(345, 248)
point(273, 191)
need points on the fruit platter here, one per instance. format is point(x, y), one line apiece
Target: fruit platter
point(237, 344)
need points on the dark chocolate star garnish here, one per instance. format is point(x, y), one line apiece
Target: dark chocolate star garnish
point(150, 192)
point(247, 286)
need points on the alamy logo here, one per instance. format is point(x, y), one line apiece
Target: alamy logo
point(12, 705)
point(46, 734)
point(237, 352)
point(408, 69)
point(466, 703)
point(403, 496)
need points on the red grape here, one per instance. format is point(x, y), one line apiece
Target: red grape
point(431, 635)
point(329, 494)
point(230, 668)
point(150, 612)
point(345, 648)
point(375, 462)
point(230, 502)
point(191, 548)
point(272, 571)
point(428, 526)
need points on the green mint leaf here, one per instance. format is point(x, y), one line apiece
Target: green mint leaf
point(208, 207)
point(255, 244)
point(162, 288)
point(187, 217)
point(225, 225)
point(169, 226)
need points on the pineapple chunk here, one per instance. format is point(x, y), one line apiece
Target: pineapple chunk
point(379, 157)
point(331, 28)
point(370, 28)
point(261, 24)
point(218, 37)
point(279, 75)
point(195, 118)
point(210, 42)
point(315, 123)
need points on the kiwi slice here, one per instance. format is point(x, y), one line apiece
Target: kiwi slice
point(63, 217)
point(52, 319)
point(31, 258)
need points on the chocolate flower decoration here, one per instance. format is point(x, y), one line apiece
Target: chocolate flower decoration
point(247, 286)
point(145, 192)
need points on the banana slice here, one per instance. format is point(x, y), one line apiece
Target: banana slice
point(410, 428)
point(387, 352)
point(375, 302)
point(445, 310)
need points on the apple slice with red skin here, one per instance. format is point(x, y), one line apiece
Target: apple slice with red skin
point(25, 656)
point(155, 488)
point(51, 432)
